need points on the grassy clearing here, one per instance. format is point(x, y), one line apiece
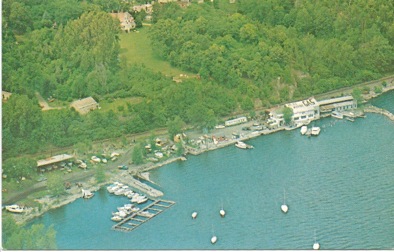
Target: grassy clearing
point(136, 47)
point(117, 103)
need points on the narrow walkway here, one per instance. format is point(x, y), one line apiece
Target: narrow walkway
point(142, 216)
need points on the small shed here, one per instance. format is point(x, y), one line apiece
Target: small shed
point(83, 106)
point(5, 95)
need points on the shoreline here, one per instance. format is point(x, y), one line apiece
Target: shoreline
point(49, 203)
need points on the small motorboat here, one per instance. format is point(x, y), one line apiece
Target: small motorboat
point(146, 214)
point(194, 215)
point(14, 209)
point(303, 130)
point(135, 209)
point(116, 218)
point(214, 239)
point(142, 199)
point(315, 131)
point(86, 194)
point(222, 212)
point(337, 115)
point(243, 145)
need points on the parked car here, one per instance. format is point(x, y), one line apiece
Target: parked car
point(123, 167)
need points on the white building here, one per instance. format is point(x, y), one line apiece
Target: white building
point(235, 121)
point(304, 111)
point(337, 104)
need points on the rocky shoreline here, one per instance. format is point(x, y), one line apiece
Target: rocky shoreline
point(47, 203)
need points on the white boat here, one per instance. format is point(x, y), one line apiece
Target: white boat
point(146, 214)
point(116, 218)
point(303, 130)
point(315, 131)
point(142, 199)
point(112, 189)
point(214, 239)
point(128, 206)
point(135, 209)
point(120, 191)
point(222, 212)
point(14, 209)
point(86, 194)
point(243, 145)
point(194, 215)
point(122, 214)
point(284, 207)
point(316, 245)
point(336, 114)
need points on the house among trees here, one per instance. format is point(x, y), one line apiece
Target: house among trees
point(127, 22)
point(148, 8)
point(83, 106)
point(5, 95)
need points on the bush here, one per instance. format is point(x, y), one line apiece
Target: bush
point(378, 89)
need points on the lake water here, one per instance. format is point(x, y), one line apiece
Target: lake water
point(339, 185)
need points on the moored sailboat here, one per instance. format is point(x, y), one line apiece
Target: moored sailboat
point(284, 207)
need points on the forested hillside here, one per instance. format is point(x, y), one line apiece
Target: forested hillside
point(336, 43)
point(250, 53)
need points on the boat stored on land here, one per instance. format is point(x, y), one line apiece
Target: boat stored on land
point(14, 209)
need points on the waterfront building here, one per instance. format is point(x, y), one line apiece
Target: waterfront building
point(304, 111)
point(338, 104)
point(310, 109)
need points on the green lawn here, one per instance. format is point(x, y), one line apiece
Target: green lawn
point(107, 106)
point(137, 49)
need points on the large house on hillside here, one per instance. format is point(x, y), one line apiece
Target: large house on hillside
point(127, 22)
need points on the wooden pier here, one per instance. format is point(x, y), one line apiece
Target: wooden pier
point(136, 219)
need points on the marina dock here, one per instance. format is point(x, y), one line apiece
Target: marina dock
point(129, 180)
point(136, 219)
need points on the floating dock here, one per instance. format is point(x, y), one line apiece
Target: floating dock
point(133, 221)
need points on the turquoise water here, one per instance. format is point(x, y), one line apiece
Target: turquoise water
point(339, 184)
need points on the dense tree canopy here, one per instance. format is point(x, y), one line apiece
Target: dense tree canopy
point(267, 51)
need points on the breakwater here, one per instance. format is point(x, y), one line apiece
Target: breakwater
point(373, 109)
